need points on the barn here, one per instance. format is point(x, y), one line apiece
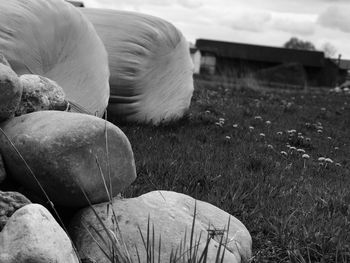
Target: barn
point(239, 60)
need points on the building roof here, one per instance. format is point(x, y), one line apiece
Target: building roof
point(261, 53)
point(343, 63)
point(76, 3)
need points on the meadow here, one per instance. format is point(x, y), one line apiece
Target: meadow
point(279, 162)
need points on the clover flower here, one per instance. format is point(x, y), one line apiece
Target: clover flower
point(235, 125)
point(328, 160)
point(284, 153)
point(305, 156)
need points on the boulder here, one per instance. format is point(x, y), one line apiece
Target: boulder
point(40, 93)
point(171, 214)
point(67, 153)
point(33, 235)
point(52, 38)
point(2, 170)
point(9, 203)
point(10, 92)
point(150, 65)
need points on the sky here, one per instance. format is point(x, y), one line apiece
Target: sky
point(261, 22)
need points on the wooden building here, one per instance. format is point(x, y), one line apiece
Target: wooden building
point(238, 60)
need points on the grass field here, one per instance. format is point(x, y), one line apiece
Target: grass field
point(242, 150)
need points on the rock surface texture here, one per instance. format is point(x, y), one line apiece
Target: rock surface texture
point(33, 235)
point(51, 38)
point(40, 93)
point(150, 65)
point(172, 215)
point(10, 92)
point(67, 153)
point(9, 203)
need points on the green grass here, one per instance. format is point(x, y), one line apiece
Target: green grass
point(297, 210)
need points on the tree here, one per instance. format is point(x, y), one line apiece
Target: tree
point(329, 50)
point(295, 43)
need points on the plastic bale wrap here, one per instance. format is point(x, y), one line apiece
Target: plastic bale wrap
point(53, 39)
point(151, 68)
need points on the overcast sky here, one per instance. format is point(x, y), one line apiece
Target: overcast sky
point(262, 22)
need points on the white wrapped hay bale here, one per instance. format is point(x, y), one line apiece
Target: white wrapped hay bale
point(150, 65)
point(53, 39)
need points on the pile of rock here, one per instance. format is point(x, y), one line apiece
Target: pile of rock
point(52, 158)
point(75, 160)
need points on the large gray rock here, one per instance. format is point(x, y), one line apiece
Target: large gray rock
point(10, 92)
point(9, 203)
point(67, 152)
point(40, 93)
point(172, 215)
point(33, 235)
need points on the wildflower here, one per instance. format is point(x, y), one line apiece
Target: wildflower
point(319, 123)
point(251, 128)
point(323, 109)
point(279, 133)
point(262, 135)
point(218, 124)
point(292, 148)
point(207, 111)
point(336, 148)
point(300, 134)
point(307, 124)
point(307, 139)
point(228, 138)
point(268, 122)
point(321, 159)
point(319, 131)
point(329, 138)
point(287, 145)
point(221, 120)
point(292, 131)
point(305, 156)
point(284, 153)
point(338, 164)
point(301, 150)
point(235, 125)
point(269, 146)
point(328, 160)
point(301, 137)
point(258, 118)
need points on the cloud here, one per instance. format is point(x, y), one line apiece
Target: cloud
point(295, 27)
point(336, 17)
point(247, 21)
point(190, 3)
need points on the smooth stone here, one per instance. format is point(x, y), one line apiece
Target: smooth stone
point(66, 151)
point(10, 202)
point(33, 235)
point(40, 93)
point(10, 92)
point(171, 214)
